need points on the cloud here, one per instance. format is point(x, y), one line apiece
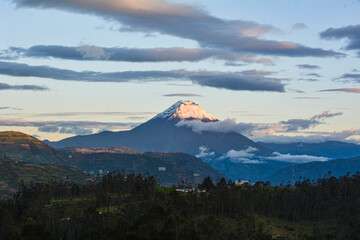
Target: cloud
point(326, 114)
point(76, 131)
point(10, 108)
point(226, 80)
point(204, 153)
point(70, 114)
point(184, 21)
point(347, 90)
point(314, 75)
point(309, 79)
point(65, 130)
point(234, 64)
point(315, 138)
point(308, 98)
point(307, 66)
point(295, 90)
point(95, 53)
point(241, 156)
point(298, 26)
point(257, 72)
point(51, 129)
point(296, 124)
point(92, 52)
point(349, 77)
point(257, 130)
point(265, 61)
point(182, 95)
point(239, 82)
point(5, 86)
point(226, 126)
point(351, 33)
point(295, 158)
point(68, 126)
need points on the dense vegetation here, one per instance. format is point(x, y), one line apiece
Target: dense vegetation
point(135, 207)
point(12, 173)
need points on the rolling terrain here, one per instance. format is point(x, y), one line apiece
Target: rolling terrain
point(20, 150)
point(20, 146)
point(13, 173)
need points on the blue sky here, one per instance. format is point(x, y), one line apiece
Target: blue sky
point(291, 68)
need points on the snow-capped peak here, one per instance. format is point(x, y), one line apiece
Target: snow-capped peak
point(186, 110)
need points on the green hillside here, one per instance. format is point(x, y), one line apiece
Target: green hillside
point(170, 170)
point(20, 146)
point(12, 173)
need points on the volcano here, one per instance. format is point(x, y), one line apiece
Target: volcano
point(163, 134)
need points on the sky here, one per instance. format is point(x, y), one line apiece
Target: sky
point(276, 71)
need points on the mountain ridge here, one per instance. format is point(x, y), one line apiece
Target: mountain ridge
point(315, 170)
point(161, 134)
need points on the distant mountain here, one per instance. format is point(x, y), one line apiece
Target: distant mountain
point(330, 149)
point(169, 168)
point(314, 170)
point(20, 146)
point(160, 134)
point(13, 172)
point(248, 171)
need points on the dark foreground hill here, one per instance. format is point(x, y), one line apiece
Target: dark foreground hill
point(12, 173)
point(315, 170)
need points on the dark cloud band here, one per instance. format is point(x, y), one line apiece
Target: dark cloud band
point(352, 33)
point(347, 90)
point(231, 81)
point(182, 95)
point(5, 86)
point(184, 21)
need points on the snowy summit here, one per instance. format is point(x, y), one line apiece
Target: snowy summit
point(186, 110)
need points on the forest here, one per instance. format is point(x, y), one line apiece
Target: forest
point(120, 206)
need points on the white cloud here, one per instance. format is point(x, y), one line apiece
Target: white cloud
point(241, 156)
point(295, 158)
point(204, 152)
point(317, 137)
point(228, 125)
point(93, 52)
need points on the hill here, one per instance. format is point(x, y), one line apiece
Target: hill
point(20, 146)
point(169, 168)
point(12, 173)
point(314, 170)
point(115, 149)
